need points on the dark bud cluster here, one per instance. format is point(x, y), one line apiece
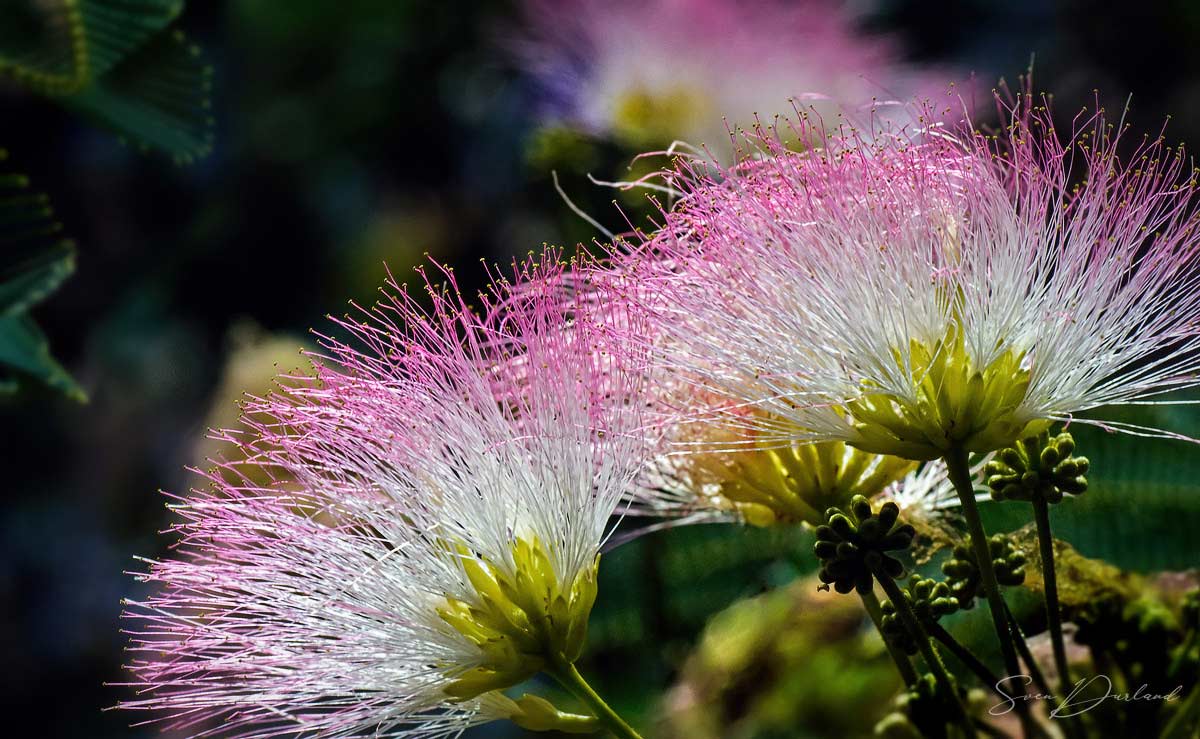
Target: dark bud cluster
point(962, 570)
point(928, 599)
point(1038, 466)
point(893, 629)
point(855, 545)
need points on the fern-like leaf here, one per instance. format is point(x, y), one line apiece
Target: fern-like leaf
point(42, 45)
point(116, 62)
point(57, 46)
point(35, 258)
point(116, 28)
point(157, 98)
point(24, 351)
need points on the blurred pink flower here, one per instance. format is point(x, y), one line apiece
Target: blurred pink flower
point(648, 72)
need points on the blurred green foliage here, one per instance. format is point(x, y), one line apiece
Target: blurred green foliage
point(795, 662)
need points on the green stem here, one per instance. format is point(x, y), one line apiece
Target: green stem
point(1181, 657)
point(1185, 718)
point(567, 676)
point(964, 655)
point(1102, 665)
point(1111, 668)
point(932, 659)
point(1018, 637)
point(958, 469)
point(1041, 512)
point(903, 664)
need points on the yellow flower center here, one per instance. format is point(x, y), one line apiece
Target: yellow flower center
point(795, 483)
point(520, 619)
point(956, 404)
point(643, 117)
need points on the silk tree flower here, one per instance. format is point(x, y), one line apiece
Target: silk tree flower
point(924, 493)
point(448, 478)
point(647, 73)
point(929, 292)
point(706, 472)
point(711, 472)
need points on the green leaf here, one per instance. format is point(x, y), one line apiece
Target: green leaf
point(34, 260)
point(116, 28)
point(35, 257)
point(42, 45)
point(28, 282)
point(157, 98)
point(115, 62)
point(57, 46)
point(24, 349)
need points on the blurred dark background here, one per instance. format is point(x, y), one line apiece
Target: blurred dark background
point(350, 134)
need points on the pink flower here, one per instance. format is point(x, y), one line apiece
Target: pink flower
point(913, 290)
point(446, 452)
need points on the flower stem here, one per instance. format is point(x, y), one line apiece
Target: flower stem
point(567, 676)
point(964, 655)
point(1185, 718)
point(932, 659)
point(1035, 671)
point(958, 468)
point(1041, 512)
point(1181, 657)
point(1074, 724)
point(903, 664)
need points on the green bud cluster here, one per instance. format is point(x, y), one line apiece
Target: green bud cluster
point(928, 599)
point(853, 546)
point(962, 570)
point(1040, 466)
point(892, 628)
